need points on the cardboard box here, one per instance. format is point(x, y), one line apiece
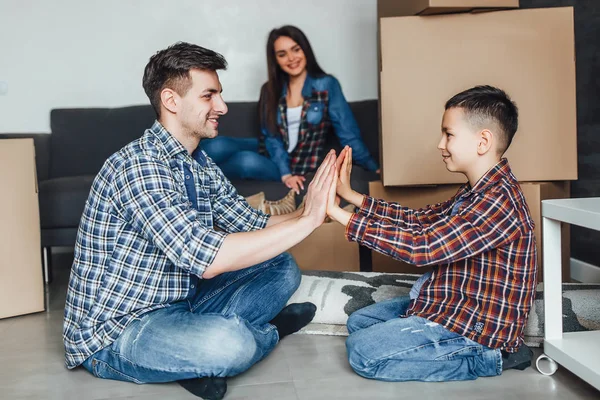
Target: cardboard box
point(418, 197)
point(327, 249)
point(426, 61)
point(400, 8)
point(21, 281)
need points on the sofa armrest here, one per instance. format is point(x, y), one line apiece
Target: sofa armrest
point(41, 142)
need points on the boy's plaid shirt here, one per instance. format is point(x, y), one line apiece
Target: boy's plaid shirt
point(484, 257)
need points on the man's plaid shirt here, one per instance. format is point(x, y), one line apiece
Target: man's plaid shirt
point(484, 279)
point(145, 238)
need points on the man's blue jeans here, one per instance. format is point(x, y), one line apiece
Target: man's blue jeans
point(222, 331)
point(386, 347)
point(238, 158)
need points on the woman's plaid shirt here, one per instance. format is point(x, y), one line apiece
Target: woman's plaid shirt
point(484, 279)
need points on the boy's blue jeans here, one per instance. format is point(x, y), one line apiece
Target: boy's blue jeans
point(238, 158)
point(386, 347)
point(222, 331)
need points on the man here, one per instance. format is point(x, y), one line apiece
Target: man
point(175, 276)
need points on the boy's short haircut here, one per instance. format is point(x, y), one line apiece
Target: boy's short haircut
point(485, 105)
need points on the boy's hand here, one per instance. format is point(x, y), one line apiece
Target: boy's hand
point(343, 188)
point(333, 202)
point(318, 194)
point(344, 167)
point(333, 206)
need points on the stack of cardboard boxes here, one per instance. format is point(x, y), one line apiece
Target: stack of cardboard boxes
point(430, 50)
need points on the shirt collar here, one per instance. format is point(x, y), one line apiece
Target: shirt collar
point(498, 172)
point(307, 88)
point(172, 145)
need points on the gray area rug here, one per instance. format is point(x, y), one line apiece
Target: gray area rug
point(339, 294)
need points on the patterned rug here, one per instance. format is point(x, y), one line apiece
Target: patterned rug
point(339, 294)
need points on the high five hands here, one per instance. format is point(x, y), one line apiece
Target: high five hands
point(331, 181)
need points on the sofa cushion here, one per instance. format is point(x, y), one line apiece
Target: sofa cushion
point(83, 138)
point(62, 200)
point(241, 120)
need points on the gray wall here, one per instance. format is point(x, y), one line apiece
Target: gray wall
point(73, 53)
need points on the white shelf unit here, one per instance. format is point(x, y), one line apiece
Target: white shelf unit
point(579, 352)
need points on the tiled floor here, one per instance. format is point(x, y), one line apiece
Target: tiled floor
point(301, 368)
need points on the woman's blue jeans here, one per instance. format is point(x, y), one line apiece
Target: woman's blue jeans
point(222, 331)
point(238, 158)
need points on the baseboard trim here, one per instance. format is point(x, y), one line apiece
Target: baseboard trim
point(584, 272)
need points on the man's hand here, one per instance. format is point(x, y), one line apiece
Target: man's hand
point(295, 182)
point(317, 197)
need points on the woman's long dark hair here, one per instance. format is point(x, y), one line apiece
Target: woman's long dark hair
point(271, 90)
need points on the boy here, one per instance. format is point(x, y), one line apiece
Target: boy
point(464, 319)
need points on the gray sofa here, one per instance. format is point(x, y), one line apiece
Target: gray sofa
point(82, 139)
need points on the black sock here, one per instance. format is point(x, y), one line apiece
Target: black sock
point(208, 388)
point(520, 360)
point(293, 318)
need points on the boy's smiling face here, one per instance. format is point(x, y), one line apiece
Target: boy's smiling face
point(459, 142)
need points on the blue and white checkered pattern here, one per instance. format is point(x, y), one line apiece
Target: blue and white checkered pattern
point(142, 241)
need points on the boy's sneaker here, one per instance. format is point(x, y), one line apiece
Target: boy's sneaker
point(520, 360)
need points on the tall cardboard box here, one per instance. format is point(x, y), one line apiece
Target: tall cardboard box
point(327, 249)
point(426, 60)
point(21, 281)
point(418, 197)
point(399, 8)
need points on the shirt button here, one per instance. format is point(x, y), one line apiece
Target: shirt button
point(187, 177)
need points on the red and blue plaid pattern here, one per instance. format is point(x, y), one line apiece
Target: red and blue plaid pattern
point(310, 151)
point(484, 256)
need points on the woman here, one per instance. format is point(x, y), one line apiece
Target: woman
point(300, 106)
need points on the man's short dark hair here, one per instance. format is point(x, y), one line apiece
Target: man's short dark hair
point(171, 68)
point(483, 105)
